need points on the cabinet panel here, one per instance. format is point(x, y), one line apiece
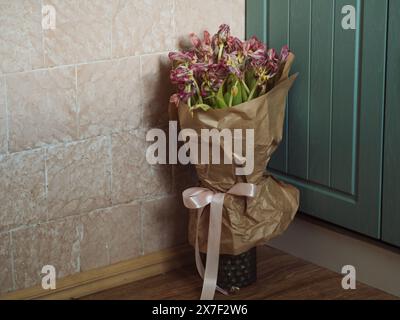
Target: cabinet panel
point(278, 17)
point(300, 25)
point(391, 186)
point(321, 99)
point(333, 143)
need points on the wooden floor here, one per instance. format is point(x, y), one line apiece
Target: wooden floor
point(280, 276)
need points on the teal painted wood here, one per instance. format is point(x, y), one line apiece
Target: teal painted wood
point(321, 88)
point(299, 99)
point(391, 185)
point(256, 11)
point(368, 187)
point(278, 17)
point(345, 101)
point(336, 112)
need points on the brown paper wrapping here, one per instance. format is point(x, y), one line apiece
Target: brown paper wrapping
point(247, 222)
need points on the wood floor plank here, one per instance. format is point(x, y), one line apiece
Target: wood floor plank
point(280, 277)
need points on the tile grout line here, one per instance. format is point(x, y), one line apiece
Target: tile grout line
point(77, 105)
point(141, 228)
point(110, 167)
point(84, 63)
point(141, 95)
point(46, 184)
point(12, 261)
point(7, 115)
point(81, 235)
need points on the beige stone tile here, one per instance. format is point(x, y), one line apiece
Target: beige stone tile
point(164, 224)
point(194, 16)
point(142, 26)
point(110, 236)
point(109, 97)
point(20, 36)
point(82, 34)
point(78, 177)
point(3, 117)
point(133, 177)
point(42, 108)
point(22, 189)
point(55, 243)
point(95, 237)
point(156, 89)
point(239, 18)
point(126, 237)
point(6, 281)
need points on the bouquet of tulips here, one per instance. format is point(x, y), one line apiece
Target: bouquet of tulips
point(222, 71)
point(225, 84)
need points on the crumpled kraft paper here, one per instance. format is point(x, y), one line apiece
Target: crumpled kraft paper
point(247, 222)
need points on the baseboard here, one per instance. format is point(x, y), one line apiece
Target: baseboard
point(90, 282)
point(377, 265)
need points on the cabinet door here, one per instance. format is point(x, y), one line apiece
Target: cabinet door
point(333, 144)
point(391, 185)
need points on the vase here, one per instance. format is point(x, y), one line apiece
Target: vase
point(237, 272)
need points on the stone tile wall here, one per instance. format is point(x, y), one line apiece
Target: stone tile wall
point(75, 102)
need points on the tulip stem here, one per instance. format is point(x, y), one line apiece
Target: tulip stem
point(245, 86)
point(251, 95)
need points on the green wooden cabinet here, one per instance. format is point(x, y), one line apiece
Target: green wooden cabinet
point(334, 147)
point(391, 181)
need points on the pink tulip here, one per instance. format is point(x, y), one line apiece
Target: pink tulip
point(200, 71)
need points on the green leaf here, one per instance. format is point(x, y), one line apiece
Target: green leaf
point(251, 80)
point(227, 98)
point(220, 98)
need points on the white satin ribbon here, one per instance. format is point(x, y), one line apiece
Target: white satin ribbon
point(199, 199)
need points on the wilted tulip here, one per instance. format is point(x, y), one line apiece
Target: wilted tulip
point(222, 70)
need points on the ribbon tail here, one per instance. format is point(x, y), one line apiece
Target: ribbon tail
point(213, 248)
point(199, 262)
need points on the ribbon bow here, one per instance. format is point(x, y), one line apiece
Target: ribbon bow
point(200, 198)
